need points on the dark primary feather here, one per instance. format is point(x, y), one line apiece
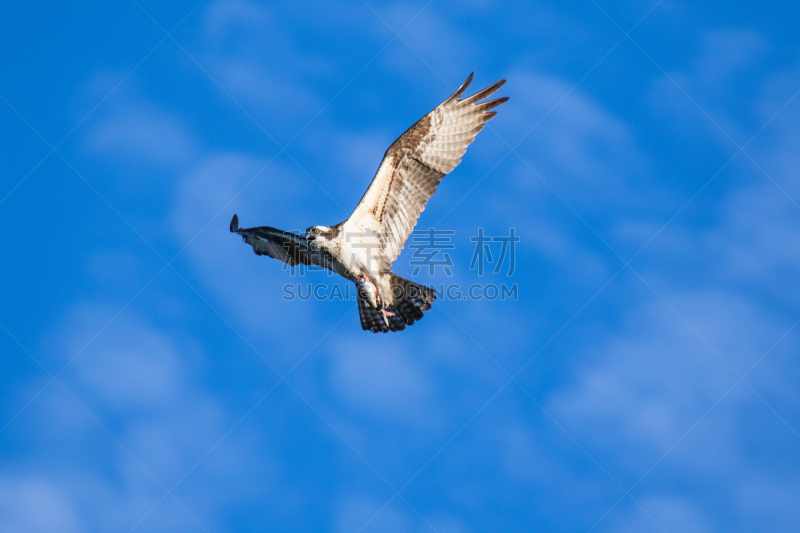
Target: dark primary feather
point(288, 247)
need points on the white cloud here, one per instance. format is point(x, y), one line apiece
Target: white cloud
point(746, 250)
point(234, 16)
point(249, 80)
point(354, 511)
point(388, 383)
point(720, 79)
point(256, 57)
point(449, 50)
point(147, 377)
point(523, 457)
point(726, 52)
point(759, 227)
point(141, 382)
point(139, 133)
point(207, 187)
point(394, 517)
point(651, 380)
point(140, 368)
point(768, 499)
point(250, 290)
point(36, 505)
point(669, 513)
point(611, 169)
point(740, 329)
point(359, 154)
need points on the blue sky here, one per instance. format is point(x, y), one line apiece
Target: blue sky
point(153, 378)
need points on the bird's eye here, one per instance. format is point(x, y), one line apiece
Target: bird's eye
point(316, 230)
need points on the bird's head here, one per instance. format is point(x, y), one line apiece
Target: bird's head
point(321, 235)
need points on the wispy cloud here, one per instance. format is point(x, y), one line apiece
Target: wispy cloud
point(143, 135)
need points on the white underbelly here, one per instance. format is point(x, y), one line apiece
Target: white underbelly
point(361, 255)
point(360, 248)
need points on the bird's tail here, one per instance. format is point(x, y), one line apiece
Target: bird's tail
point(410, 301)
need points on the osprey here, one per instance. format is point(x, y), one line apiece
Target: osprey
point(363, 247)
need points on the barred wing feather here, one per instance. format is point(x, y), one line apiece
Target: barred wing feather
point(415, 164)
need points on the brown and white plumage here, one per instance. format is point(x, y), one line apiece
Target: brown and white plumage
point(363, 247)
point(415, 164)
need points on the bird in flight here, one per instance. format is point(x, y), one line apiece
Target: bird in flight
point(363, 247)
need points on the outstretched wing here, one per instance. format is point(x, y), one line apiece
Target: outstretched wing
point(415, 164)
point(287, 247)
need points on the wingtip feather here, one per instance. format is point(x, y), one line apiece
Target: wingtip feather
point(480, 95)
point(491, 104)
point(234, 224)
point(456, 96)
